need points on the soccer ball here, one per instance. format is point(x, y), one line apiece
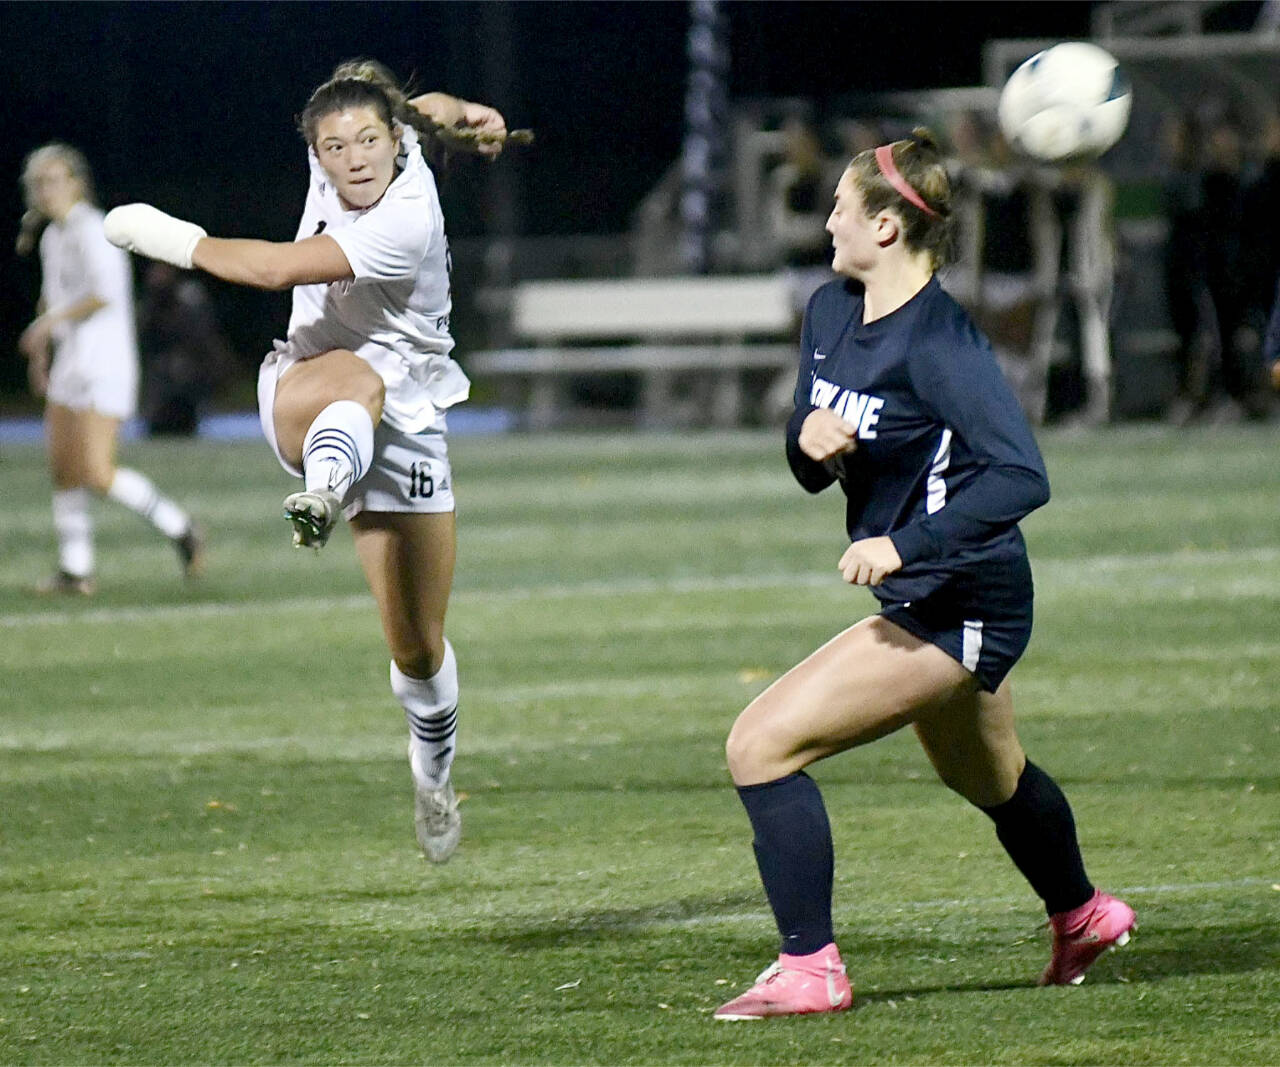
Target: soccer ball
point(1070, 101)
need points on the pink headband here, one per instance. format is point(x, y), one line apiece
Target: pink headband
point(884, 159)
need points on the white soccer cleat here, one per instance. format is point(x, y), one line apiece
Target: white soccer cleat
point(313, 513)
point(436, 821)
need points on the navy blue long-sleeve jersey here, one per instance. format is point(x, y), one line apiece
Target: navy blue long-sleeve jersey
point(946, 464)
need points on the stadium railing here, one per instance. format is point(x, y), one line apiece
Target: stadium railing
point(689, 342)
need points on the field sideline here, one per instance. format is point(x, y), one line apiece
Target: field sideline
point(206, 844)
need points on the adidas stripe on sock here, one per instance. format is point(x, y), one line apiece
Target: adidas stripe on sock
point(431, 710)
point(338, 447)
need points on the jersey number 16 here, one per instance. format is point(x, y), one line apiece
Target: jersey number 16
point(421, 483)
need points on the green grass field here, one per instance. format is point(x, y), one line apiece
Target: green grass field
point(206, 843)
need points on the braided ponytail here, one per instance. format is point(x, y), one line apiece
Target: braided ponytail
point(437, 139)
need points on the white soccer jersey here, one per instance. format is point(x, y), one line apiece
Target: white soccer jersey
point(95, 361)
point(395, 312)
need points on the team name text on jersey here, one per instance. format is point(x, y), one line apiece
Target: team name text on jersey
point(860, 409)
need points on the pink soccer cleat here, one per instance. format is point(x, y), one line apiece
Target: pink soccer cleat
point(794, 985)
point(1082, 935)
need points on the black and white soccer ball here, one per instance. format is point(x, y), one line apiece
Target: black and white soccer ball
point(1068, 102)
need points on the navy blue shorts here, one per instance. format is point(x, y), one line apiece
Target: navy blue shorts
point(982, 621)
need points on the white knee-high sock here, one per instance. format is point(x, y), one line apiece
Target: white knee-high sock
point(431, 708)
point(338, 447)
point(73, 525)
point(137, 492)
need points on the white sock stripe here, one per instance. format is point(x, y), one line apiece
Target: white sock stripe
point(338, 447)
point(435, 720)
point(434, 730)
point(331, 440)
point(434, 739)
point(428, 738)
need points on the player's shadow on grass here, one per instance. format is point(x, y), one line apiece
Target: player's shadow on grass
point(1157, 953)
point(746, 910)
point(1169, 952)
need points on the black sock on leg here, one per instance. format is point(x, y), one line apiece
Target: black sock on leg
point(795, 857)
point(1036, 828)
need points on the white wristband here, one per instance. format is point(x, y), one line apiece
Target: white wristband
point(150, 232)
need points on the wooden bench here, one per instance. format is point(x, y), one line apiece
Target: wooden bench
point(703, 331)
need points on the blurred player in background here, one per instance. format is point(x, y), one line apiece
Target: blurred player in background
point(354, 400)
point(82, 358)
point(184, 353)
point(900, 400)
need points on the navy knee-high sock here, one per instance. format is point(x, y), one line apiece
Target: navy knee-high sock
point(1037, 830)
point(796, 860)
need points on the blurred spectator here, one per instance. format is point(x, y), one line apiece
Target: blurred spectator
point(995, 275)
point(1261, 240)
point(1036, 260)
point(1258, 339)
point(1191, 307)
point(184, 354)
point(1223, 254)
point(1226, 382)
point(1081, 234)
point(1264, 213)
point(1006, 269)
point(857, 135)
point(1271, 343)
point(799, 199)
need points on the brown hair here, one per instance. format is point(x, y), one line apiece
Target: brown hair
point(33, 219)
point(920, 162)
point(367, 83)
point(344, 91)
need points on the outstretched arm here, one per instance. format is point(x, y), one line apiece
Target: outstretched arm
point(272, 264)
point(150, 232)
point(463, 124)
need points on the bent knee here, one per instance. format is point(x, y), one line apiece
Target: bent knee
point(361, 383)
point(986, 790)
point(421, 658)
point(753, 756)
point(98, 480)
point(374, 395)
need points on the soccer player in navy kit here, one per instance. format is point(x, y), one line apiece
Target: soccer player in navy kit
point(900, 400)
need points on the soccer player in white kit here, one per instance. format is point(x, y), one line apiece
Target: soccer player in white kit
point(354, 400)
point(82, 357)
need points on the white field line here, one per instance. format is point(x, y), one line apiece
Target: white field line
point(1076, 571)
point(878, 911)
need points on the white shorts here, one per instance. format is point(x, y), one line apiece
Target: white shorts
point(408, 473)
point(109, 387)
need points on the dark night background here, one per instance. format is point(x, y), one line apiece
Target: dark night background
point(191, 106)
